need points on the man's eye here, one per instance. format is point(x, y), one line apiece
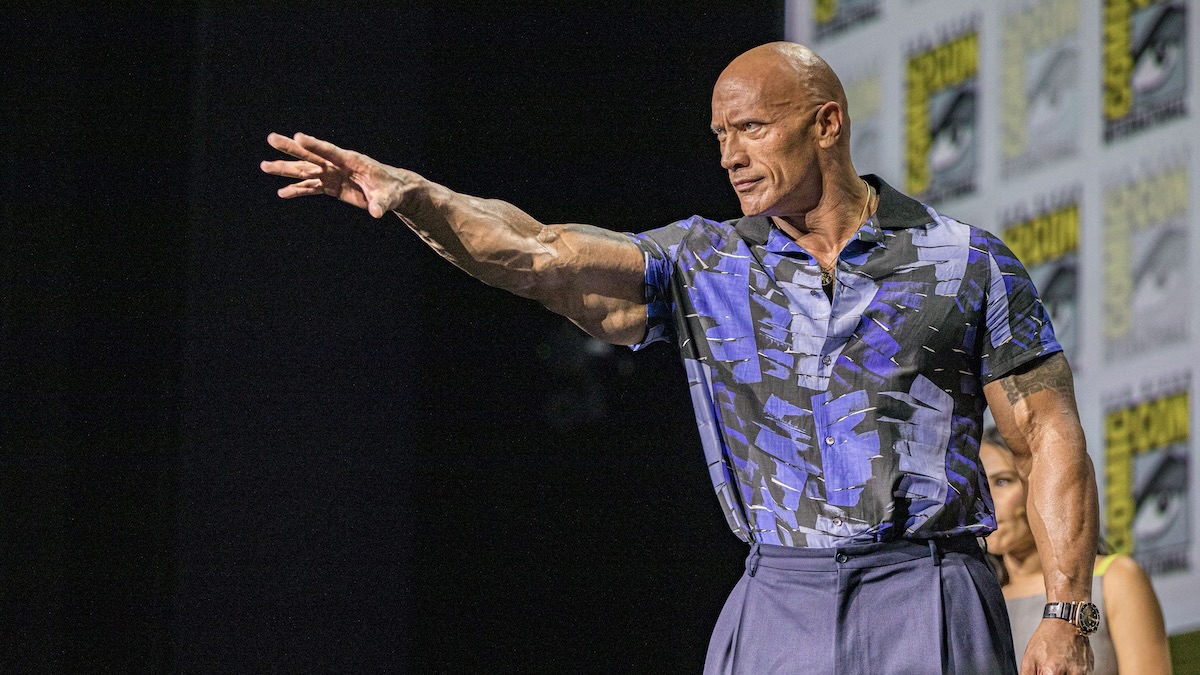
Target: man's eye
point(748, 126)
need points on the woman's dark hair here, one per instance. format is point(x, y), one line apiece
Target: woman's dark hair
point(992, 436)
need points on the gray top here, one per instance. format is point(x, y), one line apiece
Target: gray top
point(1026, 613)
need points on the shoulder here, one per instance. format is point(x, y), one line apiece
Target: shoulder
point(942, 230)
point(694, 224)
point(981, 241)
point(972, 251)
point(989, 249)
point(688, 227)
point(696, 234)
point(1119, 567)
point(1125, 582)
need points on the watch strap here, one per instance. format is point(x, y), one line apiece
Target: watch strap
point(1083, 615)
point(1059, 610)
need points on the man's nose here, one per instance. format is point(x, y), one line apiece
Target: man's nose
point(733, 153)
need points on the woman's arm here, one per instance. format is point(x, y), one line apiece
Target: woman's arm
point(1135, 619)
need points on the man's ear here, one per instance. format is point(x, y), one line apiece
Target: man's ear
point(829, 124)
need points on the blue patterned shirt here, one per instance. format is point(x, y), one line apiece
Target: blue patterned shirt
point(857, 420)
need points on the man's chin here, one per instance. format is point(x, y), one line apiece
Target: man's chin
point(754, 208)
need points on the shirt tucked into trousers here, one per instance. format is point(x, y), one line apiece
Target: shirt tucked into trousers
point(832, 423)
point(898, 607)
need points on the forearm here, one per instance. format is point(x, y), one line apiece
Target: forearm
point(590, 275)
point(1062, 485)
point(1035, 410)
point(489, 239)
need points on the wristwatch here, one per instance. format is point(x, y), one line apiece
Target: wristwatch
point(1083, 615)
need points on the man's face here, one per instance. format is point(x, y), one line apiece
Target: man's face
point(764, 126)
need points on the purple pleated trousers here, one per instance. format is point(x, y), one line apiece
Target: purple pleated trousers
point(892, 608)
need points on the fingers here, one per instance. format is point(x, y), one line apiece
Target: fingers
point(316, 150)
point(323, 168)
point(290, 168)
point(304, 188)
point(287, 145)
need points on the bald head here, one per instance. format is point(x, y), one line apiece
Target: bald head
point(786, 66)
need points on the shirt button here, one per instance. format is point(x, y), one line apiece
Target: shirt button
point(837, 522)
point(827, 360)
point(829, 440)
point(814, 293)
point(841, 557)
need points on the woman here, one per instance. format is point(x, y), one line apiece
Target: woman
point(1132, 638)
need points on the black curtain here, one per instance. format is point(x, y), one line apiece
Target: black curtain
point(242, 434)
point(94, 131)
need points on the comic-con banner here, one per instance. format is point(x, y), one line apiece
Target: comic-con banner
point(942, 146)
point(1040, 89)
point(1070, 129)
point(864, 94)
point(1147, 443)
point(833, 17)
point(1147, 302)
point(1044, 235)
point(1145, 64)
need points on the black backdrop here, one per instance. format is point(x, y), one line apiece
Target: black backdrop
point(243, 435)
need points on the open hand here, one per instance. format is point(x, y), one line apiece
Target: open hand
point(325, 169)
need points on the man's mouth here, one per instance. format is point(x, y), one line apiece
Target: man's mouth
point(745, 184)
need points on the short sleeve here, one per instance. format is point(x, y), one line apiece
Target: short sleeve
point(1017, 326)
point(659, 248)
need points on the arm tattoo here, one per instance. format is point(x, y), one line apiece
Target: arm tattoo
point(1051, 373)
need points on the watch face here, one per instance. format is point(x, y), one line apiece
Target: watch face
point(1089, 618)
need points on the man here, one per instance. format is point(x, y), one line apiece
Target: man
point(840, 341)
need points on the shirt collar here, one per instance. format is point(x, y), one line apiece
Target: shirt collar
point(896, 211)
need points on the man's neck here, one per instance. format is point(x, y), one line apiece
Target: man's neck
point(823, 231)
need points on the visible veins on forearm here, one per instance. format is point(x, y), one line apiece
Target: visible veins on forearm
point(1051, 373)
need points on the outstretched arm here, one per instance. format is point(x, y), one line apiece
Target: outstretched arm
point(1035, 411)
point(592, 276)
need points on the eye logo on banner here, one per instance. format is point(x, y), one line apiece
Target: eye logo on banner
point(1145, 64)
point(865, 96)
point(831, 17)
point(1040, 92)
point(1146, 267)
point(1046, 240)
point(942, 144)
point(1146, 479)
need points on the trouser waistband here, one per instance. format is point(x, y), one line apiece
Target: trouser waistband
point(877, 554)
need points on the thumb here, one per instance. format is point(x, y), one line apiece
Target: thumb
point(375, 208)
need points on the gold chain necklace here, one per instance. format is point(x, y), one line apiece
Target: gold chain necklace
point(827, 273)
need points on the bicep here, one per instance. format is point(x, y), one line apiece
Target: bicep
point(1033, 400)
point(595, 278)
